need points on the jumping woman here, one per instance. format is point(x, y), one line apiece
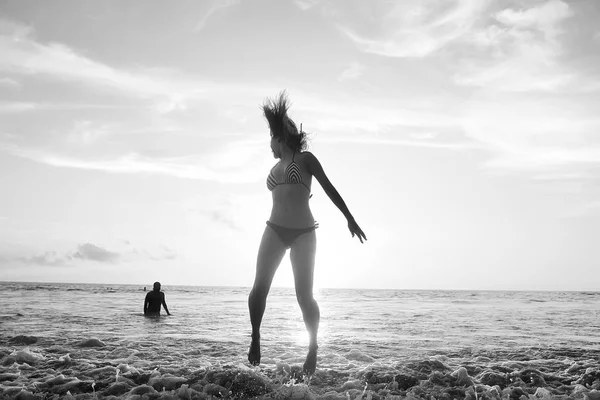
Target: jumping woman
point(291, 225)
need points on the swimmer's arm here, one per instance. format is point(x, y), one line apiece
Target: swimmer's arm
point(164, 303)
point(315, 168)
point(146, 302)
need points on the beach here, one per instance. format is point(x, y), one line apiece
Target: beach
point(87, 341)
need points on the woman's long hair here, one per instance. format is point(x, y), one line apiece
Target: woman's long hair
point(282, 127)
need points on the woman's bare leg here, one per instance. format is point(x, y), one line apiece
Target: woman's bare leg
point(270, 254)
point(302, 257)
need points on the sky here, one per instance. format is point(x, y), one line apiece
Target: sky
point(463, 135)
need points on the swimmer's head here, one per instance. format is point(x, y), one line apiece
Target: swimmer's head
point(157, 286)
point(283, 129)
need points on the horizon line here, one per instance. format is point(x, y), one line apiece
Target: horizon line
point(321, 288)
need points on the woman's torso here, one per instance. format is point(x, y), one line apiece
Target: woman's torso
point(291, 193)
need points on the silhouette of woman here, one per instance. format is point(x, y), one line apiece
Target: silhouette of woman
point(291, 225)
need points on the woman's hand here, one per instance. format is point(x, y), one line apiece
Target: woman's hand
point(355, 230)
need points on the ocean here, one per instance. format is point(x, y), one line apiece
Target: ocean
point(91, 341)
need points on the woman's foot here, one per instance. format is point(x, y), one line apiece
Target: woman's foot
point(254, 352)
point(310, 365)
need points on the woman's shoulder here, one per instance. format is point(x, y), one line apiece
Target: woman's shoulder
point(307, 155)
point(309, 160)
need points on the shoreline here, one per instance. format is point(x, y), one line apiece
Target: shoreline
point(99, 369)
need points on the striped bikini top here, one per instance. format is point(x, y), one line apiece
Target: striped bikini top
point(292, 176)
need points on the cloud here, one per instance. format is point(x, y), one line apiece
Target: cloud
point(369, 114)
point(542, 159)
point(164, 253)
point(11, 107)
point(391, 141)
point(89, 251)
point(519, 52)
point(188, 167)
point(565, 176)
point(584, 210)
point(9, 83)
point(15, 107)
point(305, 5)
point(219, 209)
point(50, 258)
point(533, 134)
point(164, 90)
point(215, 7)
point(544, 17)
point(224, 218)
point(85, 251)
point(533, 106)
point(518, 75)
point(25, 56)
point(354, 71)
point(424, 135)
point(159, 252)
point(87, 132)
point(168, 253)
point(409, 29)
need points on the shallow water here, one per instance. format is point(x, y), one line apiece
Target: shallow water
point(59, 339)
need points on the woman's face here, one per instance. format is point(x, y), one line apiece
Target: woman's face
point(275, 148)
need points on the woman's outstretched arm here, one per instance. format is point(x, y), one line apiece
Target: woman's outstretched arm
point(315, 168)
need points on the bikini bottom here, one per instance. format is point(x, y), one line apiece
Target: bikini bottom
point(289, 235)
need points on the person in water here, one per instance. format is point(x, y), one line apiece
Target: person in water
point(154, 299)
point(291, 225)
